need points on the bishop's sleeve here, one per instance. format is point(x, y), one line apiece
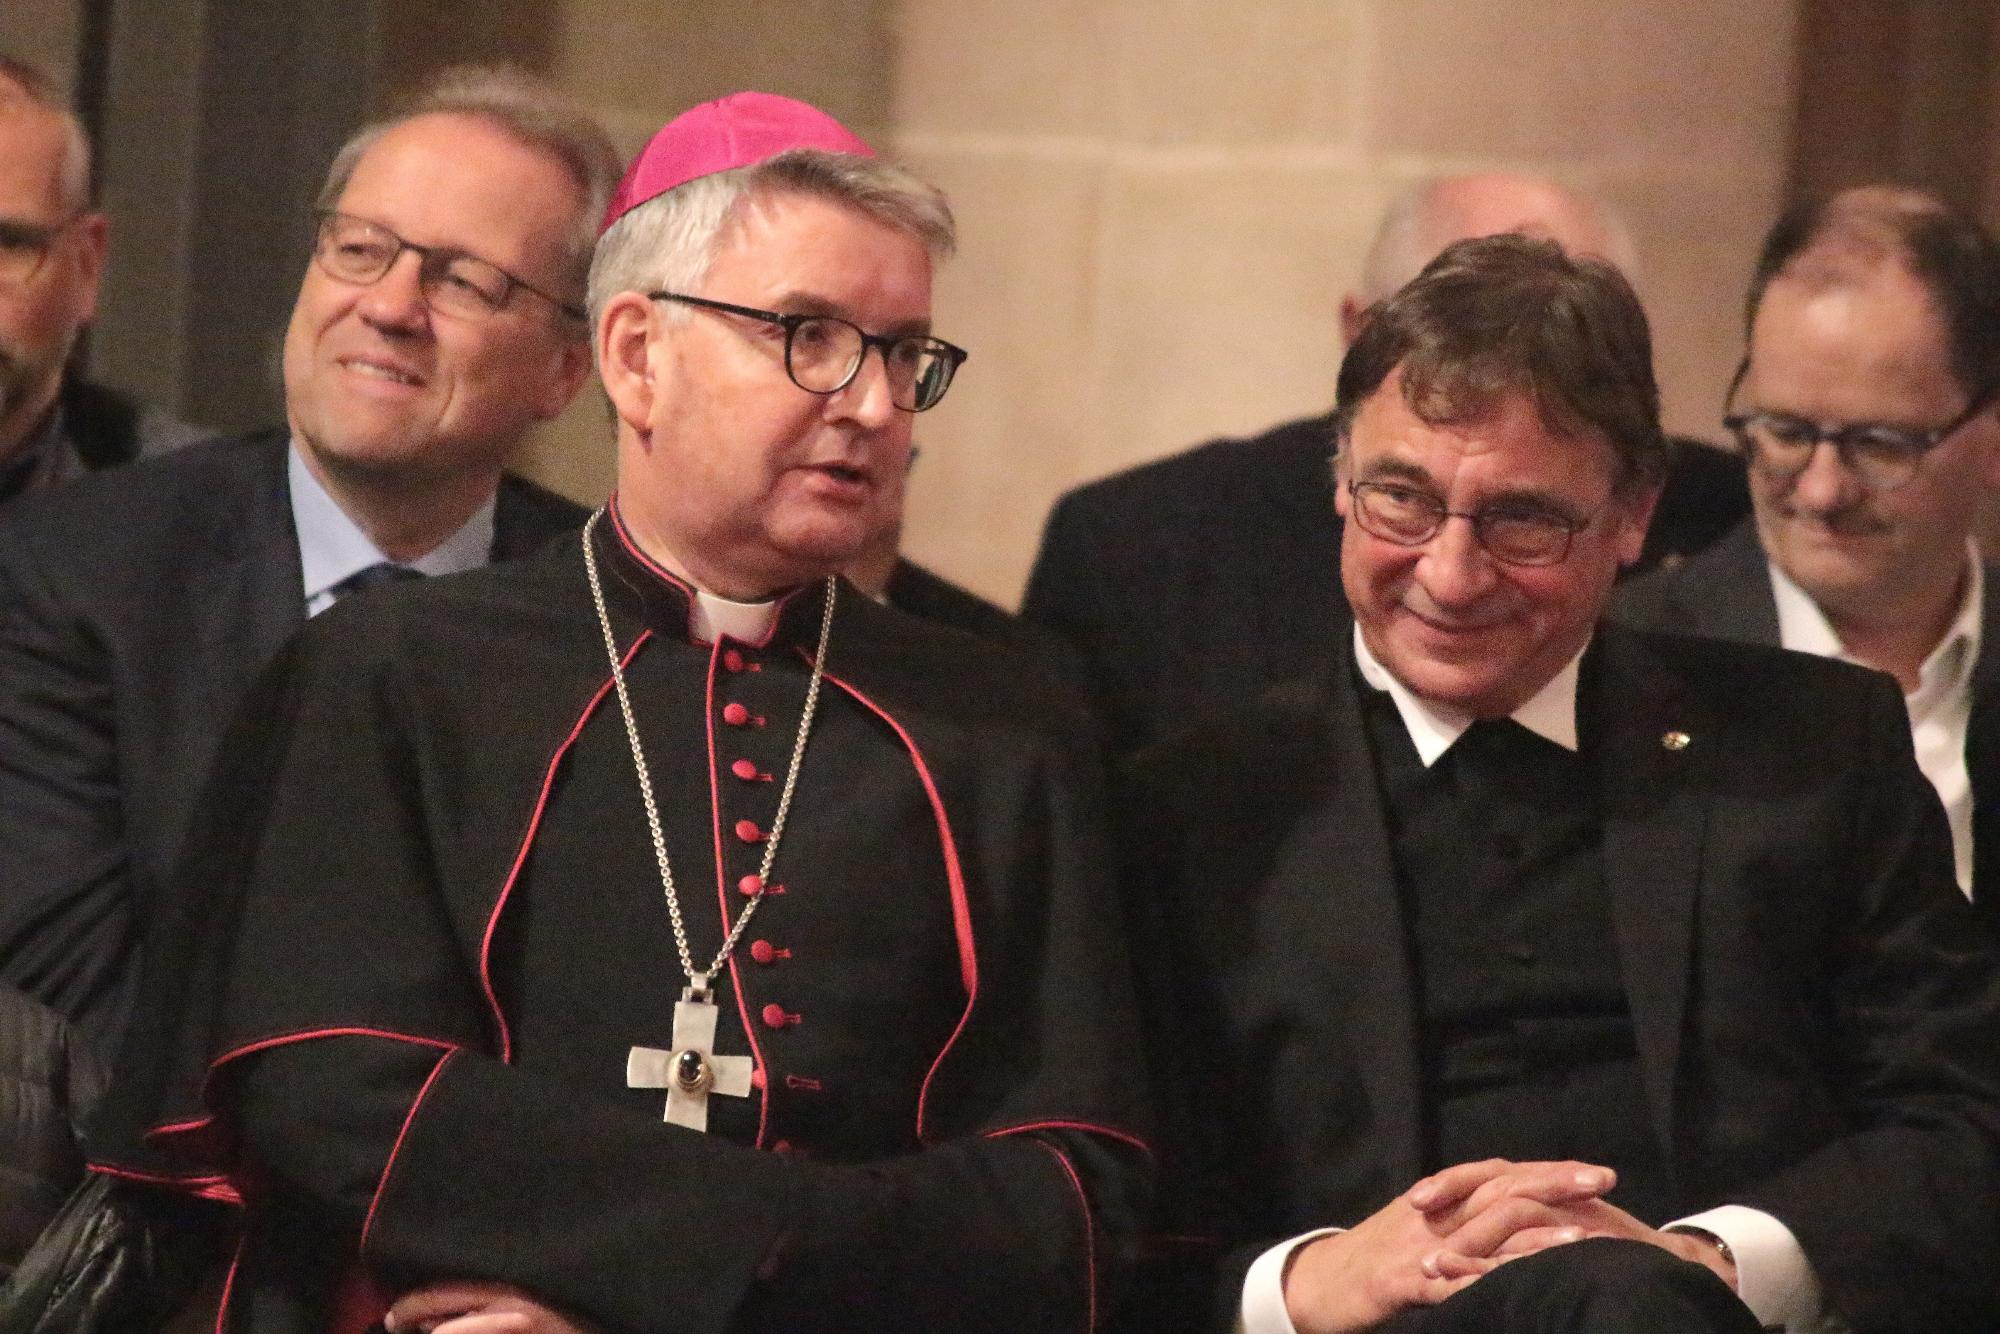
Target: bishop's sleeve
point(455, 1165)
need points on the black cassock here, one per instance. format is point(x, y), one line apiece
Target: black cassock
point(421, 928)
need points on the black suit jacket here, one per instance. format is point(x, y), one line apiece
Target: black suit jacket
point(1193, 581)
point(102, 427)
point(91, 426)
point(1816, 1024)
point(928, 594)
point(136, 606)
point(1725, 593)
point(1196, 580)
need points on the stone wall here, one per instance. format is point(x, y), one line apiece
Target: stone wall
point(43, 32)
point(1163, 201)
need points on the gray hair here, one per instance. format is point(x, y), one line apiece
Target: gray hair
point(1494, 316)
point(670, 240)
point(39, 90)
point(1418, 225)
point(524, 107)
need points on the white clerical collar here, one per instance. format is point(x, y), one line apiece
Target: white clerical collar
point(332, 546)
point(713, 617)
point(1803, 627)
point(1550, 713)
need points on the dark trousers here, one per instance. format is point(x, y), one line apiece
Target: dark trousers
point(1599, 1286)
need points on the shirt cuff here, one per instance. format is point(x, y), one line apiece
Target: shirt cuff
point(1773, 1276)
point(1263, 1310)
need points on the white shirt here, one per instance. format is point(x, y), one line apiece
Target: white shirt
point(1940, 707)
point(1772, 1275)
point(713, 617)
point(332, 546)
point(1550, 714)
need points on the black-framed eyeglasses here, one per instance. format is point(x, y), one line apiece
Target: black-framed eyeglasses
point(1511, 534)
point(355, 250)
point(25, 247)
point(823, 353)
point(1882, 456)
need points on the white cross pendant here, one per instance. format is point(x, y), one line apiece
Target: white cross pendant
point(692, 1070)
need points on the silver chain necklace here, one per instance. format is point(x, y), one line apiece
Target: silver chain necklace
point(691, 1070)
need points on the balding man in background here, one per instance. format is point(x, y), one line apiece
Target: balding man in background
point(439, 319)
point(1192, 582)
point(1873, 329)
point(54, 425)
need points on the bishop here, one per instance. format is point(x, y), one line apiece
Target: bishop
point(909, 935)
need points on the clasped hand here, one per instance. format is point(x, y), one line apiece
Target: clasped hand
point(476, 1308)
point(1449, 1229)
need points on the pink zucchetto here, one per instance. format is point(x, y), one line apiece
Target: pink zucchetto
point(739, 130)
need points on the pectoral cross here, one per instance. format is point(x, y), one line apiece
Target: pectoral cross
point(692, 1070)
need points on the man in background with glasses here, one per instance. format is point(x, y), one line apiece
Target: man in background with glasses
point(1865, 406)
point(718, 948)
point(1516, 930)
point(439, 319)
point(54, 425)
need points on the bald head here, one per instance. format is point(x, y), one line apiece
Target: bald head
point(1432, 214)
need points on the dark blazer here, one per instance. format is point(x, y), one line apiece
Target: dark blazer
point(1815, 1022)
point(91, 426)
point(930, 596)
point(926, 593)
point(1725, 593)
point(102, 427)
point(1191, 583)
point(136, 605)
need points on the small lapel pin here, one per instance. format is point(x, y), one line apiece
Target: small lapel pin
point(1676, 740)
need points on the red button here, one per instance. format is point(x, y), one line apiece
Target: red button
point(762, 951)
point(750, 884)
point(774, 1016)
point(782, 1146)
point(748, 831)
point(732, 661)
point(744, 770)
point(735, 714)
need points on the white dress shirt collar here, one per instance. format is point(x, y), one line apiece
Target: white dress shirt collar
point(1940, 708)
point(1550, 713)
point(747, 622)
point(332, 546)
point(1803, 627)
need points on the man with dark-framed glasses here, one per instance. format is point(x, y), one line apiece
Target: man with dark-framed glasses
point(720, 948)
point(1864, 404)
point(423, 346)
point(1523, 972)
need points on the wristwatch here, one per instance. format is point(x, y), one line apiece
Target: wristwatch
point(1721, 1246)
